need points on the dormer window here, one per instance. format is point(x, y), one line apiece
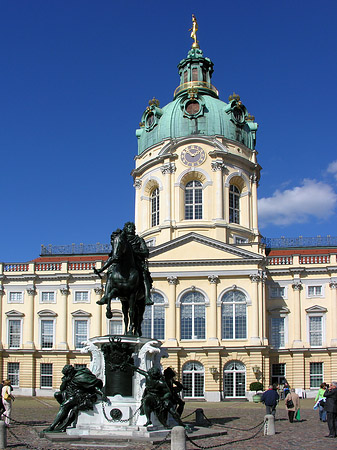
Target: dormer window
point(149, 120)
point(192, 107)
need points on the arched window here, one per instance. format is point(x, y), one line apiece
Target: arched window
point(153, 325)
point(193, 200)
point(193, 316)
point(116, 323)
point(234, 315)
point(234, 204)
point(234, 379)
point(155, 208)
point(193, 380)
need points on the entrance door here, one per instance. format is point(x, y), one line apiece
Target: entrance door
point(234, 380)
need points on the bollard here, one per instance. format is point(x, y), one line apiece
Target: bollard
point(199, 417)
point(3, 435)
point(269, 425)
point(178, 438)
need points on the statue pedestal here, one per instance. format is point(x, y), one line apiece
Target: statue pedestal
point(122, 416)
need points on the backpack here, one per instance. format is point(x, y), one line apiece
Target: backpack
point(290, 403)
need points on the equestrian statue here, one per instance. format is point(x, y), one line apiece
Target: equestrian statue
point(128, 277)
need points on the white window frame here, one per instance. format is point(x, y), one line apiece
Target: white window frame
point(285, 322)
point(52, 319)
point(80, 291)
point(278, 293)
point(240, 240)
point(14, 374)
point(322, 316)
point(322, 373)
point(83, 319)
point(9, 300)
point(45, 291)
point(117, 316)
point(48, 375)
point(19, 319)
point(315, 286)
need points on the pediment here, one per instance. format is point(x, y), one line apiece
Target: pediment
point(80, 313)
point(47, 313)
point(194, 247)
point(14, 313)
point(316, 309)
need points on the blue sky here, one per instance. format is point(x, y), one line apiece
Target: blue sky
point(77, 75)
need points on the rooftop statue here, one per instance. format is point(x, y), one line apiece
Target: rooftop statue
point(128, 277)
point(78, 392)
point(193, 31)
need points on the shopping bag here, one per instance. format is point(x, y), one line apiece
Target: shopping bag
point(298, 415)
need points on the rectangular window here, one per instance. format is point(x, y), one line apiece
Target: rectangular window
point(278, 370)
point(314, 291)
point(81, 297)
point(277, 292)
point(13, 373)
point(47, 297)
point(315, 331)
point(46, 380)
point(316, 374)
point(47, 334)
point(116, 327)
point(277, 332)
point(194, 74)
point(81, 333)
point(14, 333)
point(15, 297)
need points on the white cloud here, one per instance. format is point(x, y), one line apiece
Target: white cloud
point(313, 199)
point(332, 168)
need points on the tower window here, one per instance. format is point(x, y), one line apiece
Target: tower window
point(193, 200)
point(234, 204)
point(155, 208)
point(194, 74)
point(192, 107)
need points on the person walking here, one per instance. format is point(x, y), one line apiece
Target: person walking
point(331, 408)
point(270, 398)
point(292, 402)
point(318, 398)
point(7, 398)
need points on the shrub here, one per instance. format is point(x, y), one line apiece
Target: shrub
point(256, 386)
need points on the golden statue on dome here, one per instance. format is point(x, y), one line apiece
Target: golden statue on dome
point(193, 31)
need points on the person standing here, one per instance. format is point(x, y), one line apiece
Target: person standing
point(7, 398)
point(292, 402)
point(331, 408)
point(2, 408)
point(318, 398)
point(270, 398)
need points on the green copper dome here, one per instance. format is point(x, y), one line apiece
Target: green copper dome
point(196, 110)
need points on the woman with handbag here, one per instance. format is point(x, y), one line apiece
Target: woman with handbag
point(292, 402)
point(7, 399)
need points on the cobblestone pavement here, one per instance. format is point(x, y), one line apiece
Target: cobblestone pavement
point(239, 419)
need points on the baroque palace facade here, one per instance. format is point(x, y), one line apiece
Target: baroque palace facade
point(230, 307)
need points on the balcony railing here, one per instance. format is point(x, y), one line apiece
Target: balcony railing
point(196, 84)
point(280, 260)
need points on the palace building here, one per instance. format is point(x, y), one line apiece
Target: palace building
point(230, 306)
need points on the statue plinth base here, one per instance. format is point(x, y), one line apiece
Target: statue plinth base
point(121, 417)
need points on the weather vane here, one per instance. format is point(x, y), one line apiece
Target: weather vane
point(193, 31)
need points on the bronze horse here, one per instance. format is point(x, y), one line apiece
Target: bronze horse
point(124, 281)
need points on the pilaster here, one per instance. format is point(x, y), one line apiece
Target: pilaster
point(63, 319)
point(172, 314)
point(212, 315)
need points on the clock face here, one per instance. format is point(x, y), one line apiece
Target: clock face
point(193, 155)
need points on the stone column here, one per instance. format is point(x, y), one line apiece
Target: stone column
point(29, 325)
point(167, 170)
point(137, 185)
point(254, 203)
point(2, 293)
point(171, 316)
point(297, 324)
point(333, 313)
point(63, 319)
point(96, 325)
point(218, 166)
point(254, 336)
point(212, 316)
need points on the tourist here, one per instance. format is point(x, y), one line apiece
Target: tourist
point(292, 402)
point(320, 402)
point(331, 408)
point(7, 398)
point(270, 398)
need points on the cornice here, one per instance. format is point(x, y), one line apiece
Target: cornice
point(202, 262)
point(21, 277)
